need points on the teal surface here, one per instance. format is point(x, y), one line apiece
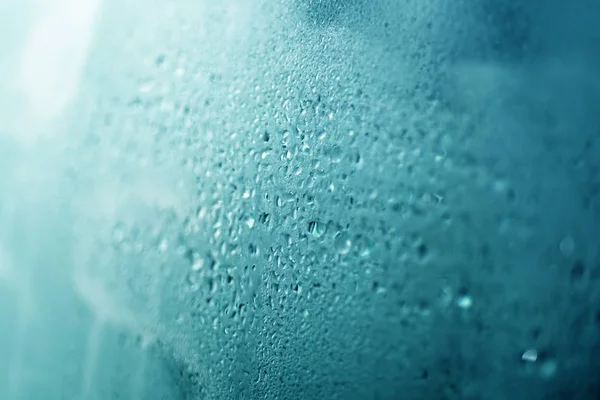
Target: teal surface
point(300, 199)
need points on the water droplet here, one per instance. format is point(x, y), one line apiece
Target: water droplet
point(193, 282)
point(335, 154)
point(297, 288)
point(530, 355)
point(567, 246)
point(160, 59)
point(253, 249)
point(197, 261)
point(548, 369)
point(377, 288)
point(342, 243)
point(422, 251)
point(163, 245)
point(265, 154)
point(465, 302)
point(146, 87)
point(317, 229)
point(264, 218)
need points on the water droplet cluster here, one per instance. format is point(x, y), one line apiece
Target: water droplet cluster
point(327, 199)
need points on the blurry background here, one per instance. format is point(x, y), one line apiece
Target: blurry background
point(299, 199)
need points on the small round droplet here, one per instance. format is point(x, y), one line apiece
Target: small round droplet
point(465, 302)
point(163, 245)
point(335, 154)
point(342, 243)
point(146, 86)
point(548, 369)
point(567, 246)
point(160, 59)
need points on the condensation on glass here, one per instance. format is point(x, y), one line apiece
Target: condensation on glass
point(299, 199)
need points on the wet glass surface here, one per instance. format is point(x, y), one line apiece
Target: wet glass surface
point(300, 199)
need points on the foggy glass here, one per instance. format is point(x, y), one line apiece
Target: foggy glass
point(299, 199)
